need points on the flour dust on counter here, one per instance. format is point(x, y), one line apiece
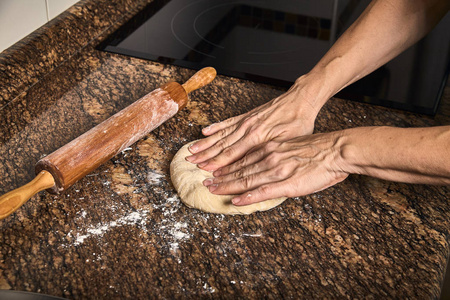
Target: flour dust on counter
point(173, 227)
point(170, 230)
point(136, 218)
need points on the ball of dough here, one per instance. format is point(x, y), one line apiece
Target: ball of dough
point(188, 179)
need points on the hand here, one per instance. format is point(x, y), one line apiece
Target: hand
point(288, 116)
point(297, 167)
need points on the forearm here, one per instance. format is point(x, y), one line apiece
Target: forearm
point(384, 30)
point(412, 155)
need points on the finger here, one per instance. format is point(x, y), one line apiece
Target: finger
point(213, 128)
point(229, 154)
point(213, 145)
point(238, 175)
point(229, 148)
point(252, 156)
point(207, 142)
point(265, 192)
point(285, 188)
point(257, 175)
point(222, 129)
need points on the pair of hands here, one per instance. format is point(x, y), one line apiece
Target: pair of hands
point(269, 152)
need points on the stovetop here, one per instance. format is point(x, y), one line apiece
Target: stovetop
point(276, 42)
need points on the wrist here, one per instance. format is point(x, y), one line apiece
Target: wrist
point(311, 95)
point(357, 151)
point(347, 151)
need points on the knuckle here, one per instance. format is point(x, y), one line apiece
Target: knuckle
point(271, 146)
point(222, 133)
point(272, 159)
point(239, 174)
point(221, 144)
point(229, 152)
point(234, 167)
point(249, 120)
point(255, 136)
point(246, 182)
point(242, 162)
point(256, 130)
point(280, 172)
point(265, 190)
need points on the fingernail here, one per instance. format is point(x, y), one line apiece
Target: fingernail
point(206, 129)
point(208, 181)
point(217, 173)
point(212, 187)
point(237, 200)
point(190, 158)
point(193, 148)
point(201, 165)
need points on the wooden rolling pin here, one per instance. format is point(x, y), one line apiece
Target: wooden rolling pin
point(62, 168)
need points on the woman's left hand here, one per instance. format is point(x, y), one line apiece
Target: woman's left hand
point(297, 167)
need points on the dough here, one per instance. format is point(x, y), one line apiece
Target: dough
point(188, 179)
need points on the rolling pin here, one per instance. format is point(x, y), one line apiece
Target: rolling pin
point(61, 169)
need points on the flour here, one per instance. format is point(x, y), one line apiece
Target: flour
point(137, 218)
point(208, 289)
point(171, 230)
point(154, 178)
point(163, 218)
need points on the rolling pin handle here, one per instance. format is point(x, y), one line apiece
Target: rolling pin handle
point(200, 79)
point(11, 201)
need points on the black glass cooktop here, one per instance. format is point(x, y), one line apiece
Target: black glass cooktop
point(275, 42)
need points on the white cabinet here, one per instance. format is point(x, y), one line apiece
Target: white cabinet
point(18, 18)
point(55, 7)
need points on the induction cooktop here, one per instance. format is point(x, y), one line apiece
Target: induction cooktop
point(276, 42)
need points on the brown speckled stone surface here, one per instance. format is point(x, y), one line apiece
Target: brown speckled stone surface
point(121, 232)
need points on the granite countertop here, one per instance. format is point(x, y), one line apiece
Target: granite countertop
point(121, 232)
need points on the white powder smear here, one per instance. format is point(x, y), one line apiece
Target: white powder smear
point(171, 230)
point(134, 218)
point(154, 178)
